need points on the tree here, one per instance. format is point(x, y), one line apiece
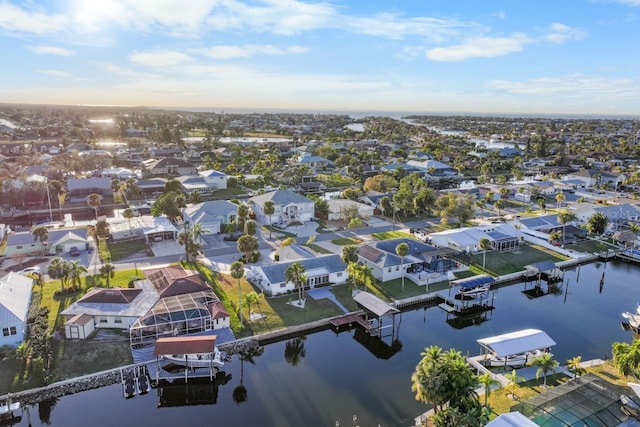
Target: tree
point(487, 382)
point(57, 269)
point(560, 197)
point(243, 214)
point(198, 231)
point(445, 380)
point(499, 204)
point(108, 271)
point(574, 364)
point(269, 209)
point(321, 207)
point(76, 270)
point(381, 183)
point(128, 214)
point(482, 205)
point(250, 228)
point(349, 254)
point(288, 241)
point(295, 273)
point(41, 234)
point(191, 247)
point(195, 197)
point(542, 204)
point(172, 185)
point(247, 245)
point(545, 364)
point(597, 223)
point(485, 245)
point(402, 249)
point(459, 206)
point(565, 217)
point(237, 272)
point(513, 379)
point(626, 357)
point(166, 204)
point(250, 299)
point(94, 200)
point(555, 236)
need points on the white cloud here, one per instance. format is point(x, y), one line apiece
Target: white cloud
point(125, 72)
point(14, 18)
point(395, 26)
point(571, 85)
point(52, 50)
point(56, 73)
point(560, 33)
point(248, 51)
point(480, 47)
point(630, 2)
point(159, 59)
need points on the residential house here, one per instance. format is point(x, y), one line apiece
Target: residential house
point(212, 216)
point(15, 299)
point(214, 177)
point(503, 237)
point(151, 186)
point(595, 177)
point(170, 166)
point(289, 208)
point(321, 270)
point(79, 188)
point(151, 228)
point(345, 209)
point(59, 241)
point(197, 184)
point(618, 215)
point(314, 163)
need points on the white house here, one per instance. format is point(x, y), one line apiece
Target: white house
point(15, 298)
point(289, 207)
point(321, 270)
point(214, 177)
point(342, 209)
point(211, 215)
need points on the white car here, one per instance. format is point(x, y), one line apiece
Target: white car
point(29, 270)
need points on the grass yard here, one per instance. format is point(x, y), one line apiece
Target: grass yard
point(346, 241)
point(122, 250)
point(591, 246)
point(501, 400)
point(387, 235)
point(319, 249)
point(500, 263)
point(393, 289)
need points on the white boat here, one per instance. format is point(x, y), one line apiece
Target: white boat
point(473, 291)
point(516, 360)
point(199, 360)
point(633, 319)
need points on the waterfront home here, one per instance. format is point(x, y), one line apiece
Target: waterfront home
point(289, 208)
point(595, 177)
point(15, 298)
point(321, 270)
point(212, 215)
point(618, 215)
point(423, 262)
point(79, 188)
point(151, 228)
point(502, 237)
point(216, 178)
point(197, 184)
point(170, 166)
point(58, 241)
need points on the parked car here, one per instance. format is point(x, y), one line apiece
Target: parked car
point(74, 251)
point(30, 270)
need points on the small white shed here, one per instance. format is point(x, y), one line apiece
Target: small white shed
point(79, 327)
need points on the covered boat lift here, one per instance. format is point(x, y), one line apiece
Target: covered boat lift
point(375, 308)
point(185, 345)
point(514, 343)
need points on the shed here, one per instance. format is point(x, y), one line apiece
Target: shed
point(516, 342)
point(79, 327)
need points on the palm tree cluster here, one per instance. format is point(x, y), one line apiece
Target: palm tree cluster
point(69, 273)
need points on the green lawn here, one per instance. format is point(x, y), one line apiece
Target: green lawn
point(346, 241)
point(500, 263)
point(319, 249)
point(591, 246)
point(393, 289)
point(122, 250)
point(386, 235)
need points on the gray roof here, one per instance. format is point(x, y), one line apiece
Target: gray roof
point(511, 419)
point(275, 272)
point(280, 198)
point(88, 183)
point(26, 238)
point(542, 266)
point(15, 296)
point(136, 308)
point(536, 223)
point(211, 211)
point(374, 304)
point(293, 252)
point(415, 247)
point(626, 211)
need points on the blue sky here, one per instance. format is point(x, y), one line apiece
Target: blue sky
point(510, 56)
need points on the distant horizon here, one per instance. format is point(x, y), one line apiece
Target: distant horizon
point(574, 58)
point(355, 114)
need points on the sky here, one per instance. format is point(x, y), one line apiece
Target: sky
point(457, 56)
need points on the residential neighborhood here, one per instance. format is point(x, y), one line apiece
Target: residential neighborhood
point(151, 227)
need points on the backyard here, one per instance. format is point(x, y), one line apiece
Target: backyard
point(501, 263)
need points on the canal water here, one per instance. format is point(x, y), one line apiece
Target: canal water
point(338, 376)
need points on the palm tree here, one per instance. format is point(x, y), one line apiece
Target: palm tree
point(626, 357)
point(197, 231)
point(41, 234)
point(250, 299)
point(402, 249)
point(94, 200)
point(349, 254)
point(487, 382)
point(574, 364)
point(560, 197)
point(545, 364)
point(243, 214)
point(186, 239)
point(555, 236)
point(295, 273)
point(237, 272)
point(108, 271)
point(485, 245)
point(499, 204)
point(75, 271)
point(269, 209)
point(247, 245)
point(513, 378)
point(565, 217)
point(57, 269)
point(482, 205)
point(128, 214)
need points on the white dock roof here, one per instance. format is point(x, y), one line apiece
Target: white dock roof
point(517, 342)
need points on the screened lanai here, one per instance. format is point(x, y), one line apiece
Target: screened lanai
point(172, 316)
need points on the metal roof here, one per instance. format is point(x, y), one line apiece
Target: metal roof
point(542, 266)
point(15, 296)
point(374, 304)
point(185, 345)
point(472, 282)
point(511, 419)
point(517, 342)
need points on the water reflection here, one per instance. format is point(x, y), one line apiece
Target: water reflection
point(202, 392)
point(294, 350)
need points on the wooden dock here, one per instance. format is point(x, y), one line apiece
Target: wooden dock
point(349, 319)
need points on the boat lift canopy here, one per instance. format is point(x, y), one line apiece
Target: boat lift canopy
point(185, 345)
point(517, 342)
point(472, 282)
